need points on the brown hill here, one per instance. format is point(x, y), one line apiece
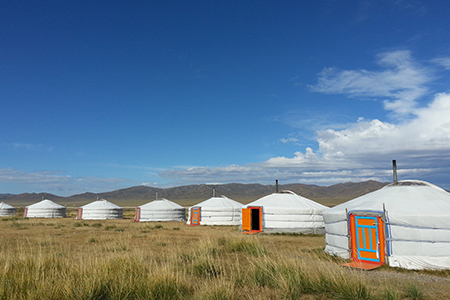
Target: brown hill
point(191, 194)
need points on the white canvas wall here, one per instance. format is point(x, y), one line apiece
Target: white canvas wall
point(219, 211)
point(101, 210)
point(289, 212)
point(6, 210)
point(45, 209)
point(417, 226)
point(161, 210)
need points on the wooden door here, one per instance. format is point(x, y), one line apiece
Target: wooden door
point(252, 219)
point(80, 213)
point(246, 219)
point(195, 216)
point(137, 217)
point(367, 238)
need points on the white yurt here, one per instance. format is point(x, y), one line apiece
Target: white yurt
point(215, 211)
point(100, 210)
point(403, 225)
point(7, 210)
point(160, 210)
point(45, 209)
point(284, 212)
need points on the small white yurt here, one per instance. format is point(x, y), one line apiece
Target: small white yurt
point(284, 212)
point(100, 210)
point(404, 224)
point(160, 210)
point(45, 209)
point(215, 211)
point(7, 210)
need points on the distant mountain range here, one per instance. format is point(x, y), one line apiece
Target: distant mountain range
point(191, 194)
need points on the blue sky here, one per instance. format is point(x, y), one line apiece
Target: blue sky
point(102, 95)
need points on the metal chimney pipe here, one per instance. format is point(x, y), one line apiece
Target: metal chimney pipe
point(214, 191)
point(156, 195)
point(394, 165)
point(276, 185)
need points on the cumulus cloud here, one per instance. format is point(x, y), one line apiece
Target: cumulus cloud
point(419, 139)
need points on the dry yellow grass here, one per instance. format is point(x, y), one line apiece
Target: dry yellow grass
point(120, 259)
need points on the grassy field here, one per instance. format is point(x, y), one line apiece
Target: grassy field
point(120, 259)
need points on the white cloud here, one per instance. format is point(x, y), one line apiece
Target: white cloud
point(401, 83)
point(289, 140)
point(55, 182)
point(364, 149)
point(442, 61)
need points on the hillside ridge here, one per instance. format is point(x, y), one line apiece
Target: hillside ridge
point(237, 191)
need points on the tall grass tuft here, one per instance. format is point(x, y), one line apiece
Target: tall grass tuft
point(244, 244)
point(264, 273)
point(207, 267)
point(217, 290)
point(390, 294)
point(168, 287)
point(413, 292)
point(295, 281)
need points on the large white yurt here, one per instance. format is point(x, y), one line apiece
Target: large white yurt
point(45, 209)
point(7, 210)
point(100, 210)
point(160, 210)
point(215, 211)
point(405, 225)
point(284, 212)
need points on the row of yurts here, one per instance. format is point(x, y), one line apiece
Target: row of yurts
point(404, 224)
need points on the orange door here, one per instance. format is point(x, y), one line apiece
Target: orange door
point(79, 213)
point(195, 216)
point(137, 217)
point(252, 219)
point(246, 219)
point(367, 236)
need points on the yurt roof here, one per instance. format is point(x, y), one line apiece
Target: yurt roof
point(409, 197)
point(3, 205)
point(45, 204)
point(221, 201)
point(161, 204)
point(101, 204)
point(287, 199)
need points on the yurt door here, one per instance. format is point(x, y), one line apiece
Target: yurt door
point(80, 213)
point(252, 219)
point(195, 216)
point(367, 238)
point(137, 217)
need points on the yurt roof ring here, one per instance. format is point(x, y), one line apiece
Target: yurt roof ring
point(416, 182)
point(288, 192)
